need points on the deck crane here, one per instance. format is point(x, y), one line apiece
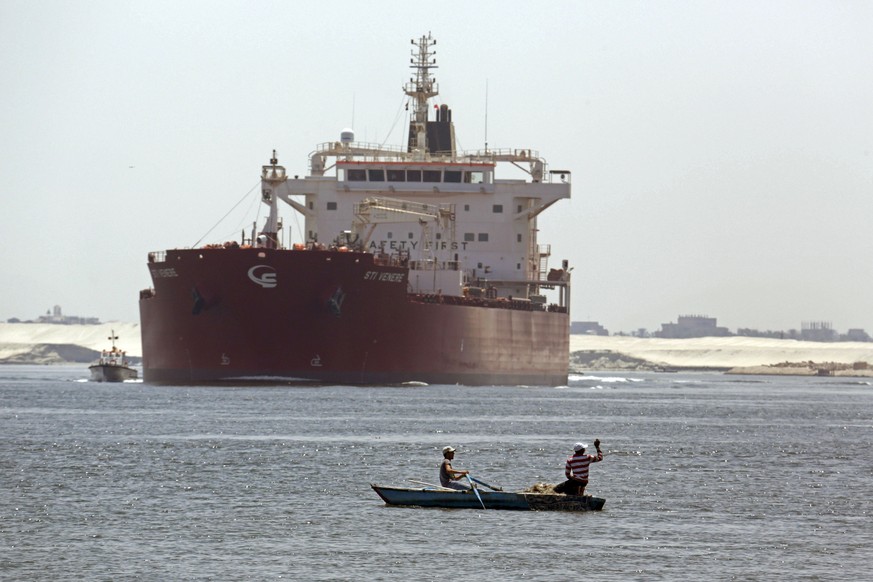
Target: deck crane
point(372, 212)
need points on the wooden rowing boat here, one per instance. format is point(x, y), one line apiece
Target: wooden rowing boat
point(439, 497)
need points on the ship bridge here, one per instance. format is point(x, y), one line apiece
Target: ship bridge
point(496, 232)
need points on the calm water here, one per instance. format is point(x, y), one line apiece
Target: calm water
point(706, 477)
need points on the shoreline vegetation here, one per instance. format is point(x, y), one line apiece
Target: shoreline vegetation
point(47, 344)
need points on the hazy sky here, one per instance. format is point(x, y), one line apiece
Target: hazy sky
point(722, 152)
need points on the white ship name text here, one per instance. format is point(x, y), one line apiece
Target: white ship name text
point(164, 273)
point(383, 276)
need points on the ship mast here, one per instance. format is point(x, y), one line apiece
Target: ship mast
point(272, 177)
point(421, 88)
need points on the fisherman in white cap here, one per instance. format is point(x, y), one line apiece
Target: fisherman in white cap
point(576, 469)
point(449, 476)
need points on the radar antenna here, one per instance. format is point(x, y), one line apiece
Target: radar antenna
point(421, 88)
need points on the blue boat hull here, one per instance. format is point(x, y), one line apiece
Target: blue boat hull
point(431, 497)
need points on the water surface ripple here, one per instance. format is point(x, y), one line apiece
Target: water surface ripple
point(706, 477)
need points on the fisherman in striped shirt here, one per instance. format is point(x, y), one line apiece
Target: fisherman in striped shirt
point(576, 469)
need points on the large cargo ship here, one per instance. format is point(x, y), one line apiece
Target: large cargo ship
point(416, 264)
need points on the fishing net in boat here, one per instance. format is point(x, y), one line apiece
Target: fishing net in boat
point(547, 488)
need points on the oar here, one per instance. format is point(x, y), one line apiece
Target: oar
point(430, 485)
point(483, 483)
point(476, 491)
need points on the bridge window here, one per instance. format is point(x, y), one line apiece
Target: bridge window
point(331, 205)
point(377, 175)
point(413, 175)
point(469, 236)
point(483, 237)
point(474, 177)
point(433, 176)
point(357, 175)
point(452, 176)
point(466, 208)
point(396, 176)
point(497, 208)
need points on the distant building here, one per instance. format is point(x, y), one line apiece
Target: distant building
point(692, 326)
point(817, 331)
point(57, 317)
point(857, 335)
point(587, 328)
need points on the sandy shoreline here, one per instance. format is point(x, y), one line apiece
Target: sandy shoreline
point(45, 343)
point(736, 355)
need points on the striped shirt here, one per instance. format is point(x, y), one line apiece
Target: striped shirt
point(577, 465)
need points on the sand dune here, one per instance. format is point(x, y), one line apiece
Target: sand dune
point(724, 352)
point(20, 338)
point(711, 352)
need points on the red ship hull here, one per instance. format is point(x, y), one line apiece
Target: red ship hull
point(340, 317)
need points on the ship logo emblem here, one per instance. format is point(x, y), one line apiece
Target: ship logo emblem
point(316, 361)
point(267, 280)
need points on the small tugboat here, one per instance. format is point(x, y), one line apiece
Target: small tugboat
point(113, 365)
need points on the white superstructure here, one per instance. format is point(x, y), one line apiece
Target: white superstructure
point(492, 241)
